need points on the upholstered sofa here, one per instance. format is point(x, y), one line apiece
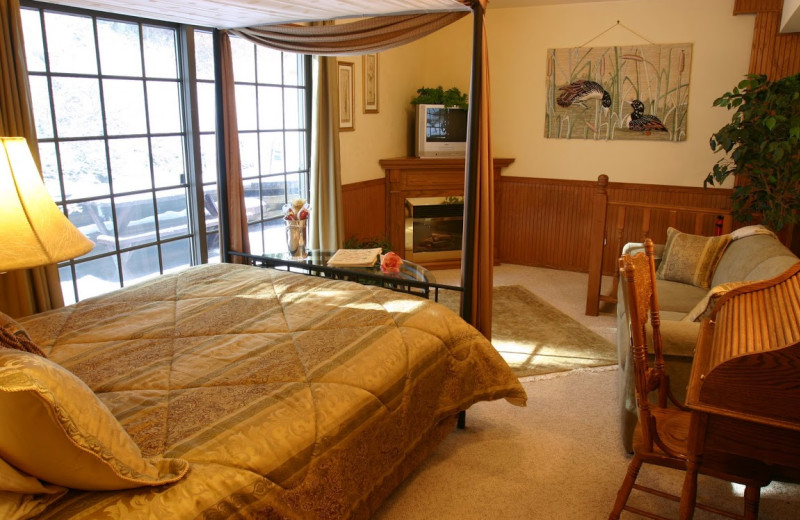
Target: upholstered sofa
point(692, 272)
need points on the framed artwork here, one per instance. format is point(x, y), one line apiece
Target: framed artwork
point(636, 92)
point(370, 77)
point(346, 96)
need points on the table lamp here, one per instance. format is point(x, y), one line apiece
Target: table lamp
point(33, 231)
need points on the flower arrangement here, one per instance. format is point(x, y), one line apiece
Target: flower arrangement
point(298, 209)
point(391, 262)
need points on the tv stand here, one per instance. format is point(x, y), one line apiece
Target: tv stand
point(409, 177)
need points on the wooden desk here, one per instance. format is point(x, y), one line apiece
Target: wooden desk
point(744, 388)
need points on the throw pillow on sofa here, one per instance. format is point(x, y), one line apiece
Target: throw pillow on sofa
point(706, 305)
point(691, 259)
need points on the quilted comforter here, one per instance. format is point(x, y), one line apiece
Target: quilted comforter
point(290, 396)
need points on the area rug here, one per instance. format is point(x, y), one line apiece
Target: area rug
point(536, 338)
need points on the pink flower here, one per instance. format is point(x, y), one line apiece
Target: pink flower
point(391, 262)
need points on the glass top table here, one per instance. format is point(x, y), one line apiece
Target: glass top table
point(412, 278)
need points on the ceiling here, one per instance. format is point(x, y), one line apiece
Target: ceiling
point(245, 13)
point(533, 3)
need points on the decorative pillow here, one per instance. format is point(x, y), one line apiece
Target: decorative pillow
point(22, 496)
point(53, 427)
point(13, 335)
point(691, 259)
point(706, 305)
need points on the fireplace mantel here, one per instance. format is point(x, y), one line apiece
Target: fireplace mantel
point(409, 177)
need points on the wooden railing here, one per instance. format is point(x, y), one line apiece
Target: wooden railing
point(615, 223)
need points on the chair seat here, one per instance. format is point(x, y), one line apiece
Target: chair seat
point(673, 431)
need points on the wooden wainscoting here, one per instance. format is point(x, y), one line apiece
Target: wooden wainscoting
point(773, 53)
point(547, 222)
point(543, 222)
point(364, 208)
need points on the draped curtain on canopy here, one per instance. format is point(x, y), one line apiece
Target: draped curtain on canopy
point(385, 32)
point(23, 291)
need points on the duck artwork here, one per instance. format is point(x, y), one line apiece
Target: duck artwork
point(580, 91)
point(644, 123)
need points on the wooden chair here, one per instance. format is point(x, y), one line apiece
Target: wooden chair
point(662, 435)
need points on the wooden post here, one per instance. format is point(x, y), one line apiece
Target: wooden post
point(597, 239)
point(222, 167)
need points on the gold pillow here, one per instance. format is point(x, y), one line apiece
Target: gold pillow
point(13, 335)
point(691, 259)
point(54, 428)
point(22, 496)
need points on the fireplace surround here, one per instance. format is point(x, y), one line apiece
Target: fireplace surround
point(414, 177)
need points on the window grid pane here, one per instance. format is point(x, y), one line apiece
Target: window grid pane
point(115, 145)
point(112, 143)
point(271, 102)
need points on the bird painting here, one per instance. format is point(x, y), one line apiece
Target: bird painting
point(580, 91)
point(644, 123)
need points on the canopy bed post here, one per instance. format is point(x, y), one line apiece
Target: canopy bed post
point(474, 302)
point(222, 184)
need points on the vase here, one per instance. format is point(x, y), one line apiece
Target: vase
point(296, 238)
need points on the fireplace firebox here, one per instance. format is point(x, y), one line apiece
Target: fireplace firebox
point(434, 228)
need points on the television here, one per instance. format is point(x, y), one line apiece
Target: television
point(440, 131)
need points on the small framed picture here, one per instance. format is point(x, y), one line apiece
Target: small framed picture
point(370, 74)
point(346, 97)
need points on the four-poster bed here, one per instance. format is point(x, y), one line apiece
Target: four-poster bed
point(228, 391)
point(371, 35)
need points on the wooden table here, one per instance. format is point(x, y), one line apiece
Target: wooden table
point(411, 278)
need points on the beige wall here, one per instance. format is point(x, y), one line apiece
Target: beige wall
point(518, 41)
point(442, 59)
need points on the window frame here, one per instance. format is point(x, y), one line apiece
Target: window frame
point(191, 181)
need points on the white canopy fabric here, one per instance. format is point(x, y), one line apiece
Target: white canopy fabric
point(226, 14)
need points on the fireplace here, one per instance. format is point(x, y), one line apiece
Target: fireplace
point(434, 228)
point(407, 177)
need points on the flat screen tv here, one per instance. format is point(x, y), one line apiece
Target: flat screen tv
point(440, 131)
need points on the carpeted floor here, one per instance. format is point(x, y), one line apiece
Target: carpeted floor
point(536, 338)
point(559, 458)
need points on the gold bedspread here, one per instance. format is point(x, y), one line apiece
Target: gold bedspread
point(291, 396)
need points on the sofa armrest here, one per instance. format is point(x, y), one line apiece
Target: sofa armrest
point(631, 248)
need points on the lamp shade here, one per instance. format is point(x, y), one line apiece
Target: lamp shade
point(33, 231)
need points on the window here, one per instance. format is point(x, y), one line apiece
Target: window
point(273, 117)
point(129, 160)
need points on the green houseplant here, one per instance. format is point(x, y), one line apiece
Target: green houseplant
point(439, 96)
point(761, 145)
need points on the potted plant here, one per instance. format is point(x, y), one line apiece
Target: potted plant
point(761, 147)
point(439, 96)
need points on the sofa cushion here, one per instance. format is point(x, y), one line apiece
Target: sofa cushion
point(691, 259)
point(754, 257)
point(678, 297)
point(678, 338)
